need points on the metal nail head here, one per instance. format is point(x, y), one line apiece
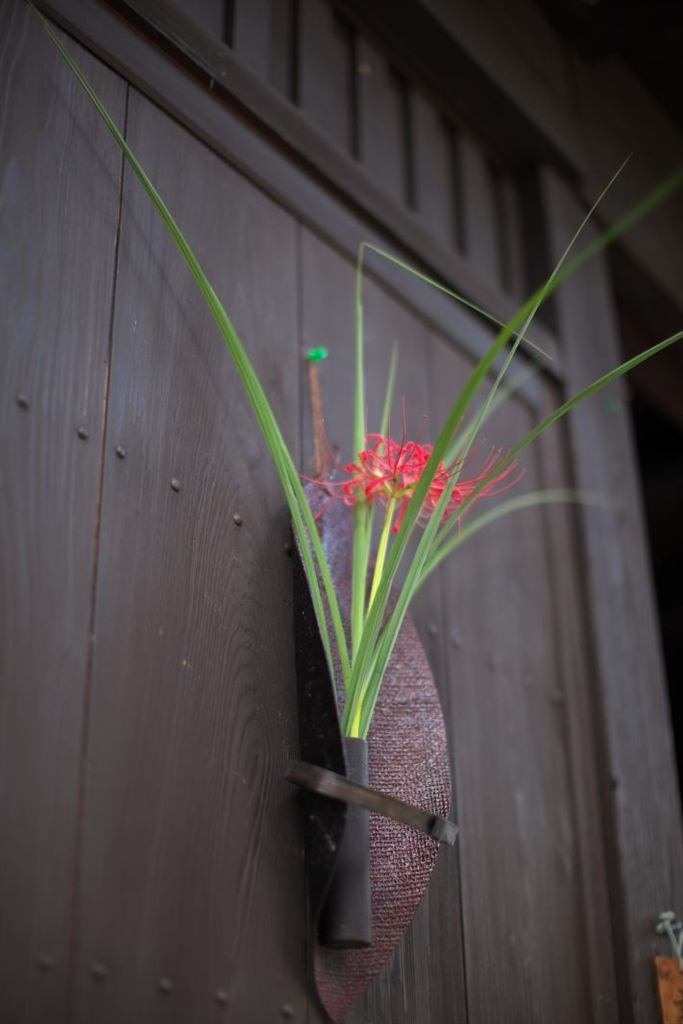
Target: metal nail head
point(165, 984)
point(83, 433)
point(287, 1011)
point(221, 996)
point(46, 962)
point(98, 971)
point(22, 401)
point(121, 452)
point(175, 485)
point(237, 519)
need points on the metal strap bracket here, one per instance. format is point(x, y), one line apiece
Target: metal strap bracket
point(338, 787)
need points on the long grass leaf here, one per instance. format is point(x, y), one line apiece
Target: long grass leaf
point(373, 622)
point(533, 499)
point(460, 299)
point(302, 518)
point(387, 641)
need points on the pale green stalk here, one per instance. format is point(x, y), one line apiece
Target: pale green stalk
point(362, 537)
point(361, 515)
point(382, 547)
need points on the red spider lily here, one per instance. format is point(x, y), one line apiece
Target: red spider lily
point(389, 471)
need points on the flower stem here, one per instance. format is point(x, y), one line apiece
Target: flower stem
point(382, 550)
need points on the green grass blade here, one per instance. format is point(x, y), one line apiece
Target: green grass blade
point(544, 291)
point(361, 540)
point(363, 514)
point(417, 572)
point(533, 499)
point(601, 382)
point(374, 619)
point(304, 523)
point(505, 391)
point(460, 299)
point(389, 392)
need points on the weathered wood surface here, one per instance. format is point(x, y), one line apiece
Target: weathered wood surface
point(190, 903)
point(646, 866)
point(521, 877)
point(55, 304)
point(192, 850)
point(328, 74)
point(232, 78)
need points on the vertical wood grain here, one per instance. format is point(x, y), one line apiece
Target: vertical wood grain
point(252, 32)
point(60, 197)
point(521, 879)
point(515, 254)
point(434, 191)
point(382, 129)
point(327, 72)
point(480, 228)
point(413, 986)
point(193, 861)
point(211, 15)
point(639, 787)
point(575, 698)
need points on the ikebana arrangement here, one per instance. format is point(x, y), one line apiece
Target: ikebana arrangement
point(408, 504)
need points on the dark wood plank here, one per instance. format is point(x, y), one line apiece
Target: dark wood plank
point(435, 194)
point(479, 208)
point(618, 116)
point(520, 869)
point(514, 246)
point(251, 33)
point(211, 15)
point(639, 789)
point(281, 175)
point(327, 73)
point(448, 45)
point(414, 985)
point(58, 239)
point(193, 858)
point(575, 697)
point(382, 128)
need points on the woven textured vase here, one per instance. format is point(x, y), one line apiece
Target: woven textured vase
point(408, 759)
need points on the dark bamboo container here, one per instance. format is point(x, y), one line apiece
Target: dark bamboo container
point(346, 920)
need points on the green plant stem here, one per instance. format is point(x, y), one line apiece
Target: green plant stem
point(382, 548)
point(551, 496)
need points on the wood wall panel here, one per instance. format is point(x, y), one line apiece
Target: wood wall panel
point(382, 127)
point(328, 73)
point(192, 868)
point(59, 219)
point(575, 696)
point(521, 880)
point(435, 186)
point(638, 782)
point(190, 904)
point(480, 223)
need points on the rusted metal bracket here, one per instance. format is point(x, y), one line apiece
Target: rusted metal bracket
point(338, 787)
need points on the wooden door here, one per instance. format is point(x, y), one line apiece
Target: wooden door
point(153, 852)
